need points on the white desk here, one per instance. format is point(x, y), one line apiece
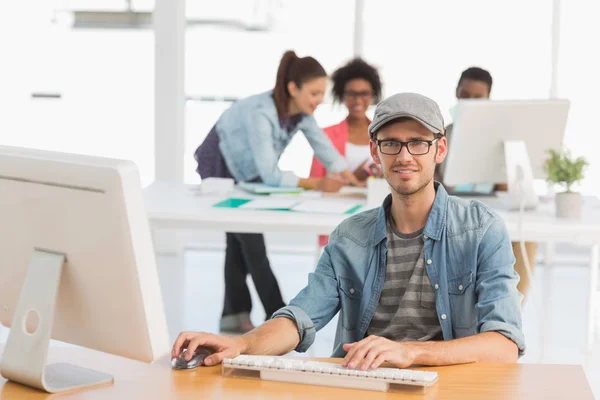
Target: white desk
point(178, 206)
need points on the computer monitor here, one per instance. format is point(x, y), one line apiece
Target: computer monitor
point(504, 142)
point(76, 265)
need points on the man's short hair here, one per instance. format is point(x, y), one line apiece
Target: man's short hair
point(476, 74)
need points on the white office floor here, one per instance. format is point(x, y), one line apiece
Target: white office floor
point(192, 287)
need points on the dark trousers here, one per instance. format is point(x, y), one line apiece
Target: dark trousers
point(246, 254)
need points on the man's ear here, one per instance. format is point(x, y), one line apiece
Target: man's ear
point(442, 149)
point(374, 154)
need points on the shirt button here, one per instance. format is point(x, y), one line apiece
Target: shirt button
point(352, 291)
point(436, 286)
point(443, 316)
point(460, 287)
point(429, 261)
point(425, 237)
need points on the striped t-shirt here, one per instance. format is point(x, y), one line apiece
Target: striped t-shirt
point(406, 309)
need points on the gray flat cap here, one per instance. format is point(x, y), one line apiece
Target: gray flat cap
point(408, 105)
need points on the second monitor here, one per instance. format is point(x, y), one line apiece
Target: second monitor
point(504, 141)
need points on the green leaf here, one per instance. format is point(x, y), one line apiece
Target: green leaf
point(562, 169)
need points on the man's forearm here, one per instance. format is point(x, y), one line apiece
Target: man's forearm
point(483, 347)
point(275, 337)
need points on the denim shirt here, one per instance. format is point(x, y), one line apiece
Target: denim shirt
point(469, 261)
point(252, 138)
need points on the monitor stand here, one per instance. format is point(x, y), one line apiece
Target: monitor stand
point(26, 350)
point(521, 191)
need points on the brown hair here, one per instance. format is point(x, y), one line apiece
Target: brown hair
point(293, 69)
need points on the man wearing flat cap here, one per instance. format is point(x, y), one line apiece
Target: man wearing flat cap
point(425, 279)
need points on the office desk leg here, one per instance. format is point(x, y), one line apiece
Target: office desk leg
point(168, 241)
point(545, 309)
point(550, 254)
point(3, 334)
point(593, 298)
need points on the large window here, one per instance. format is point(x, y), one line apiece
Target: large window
point(229, 61)
point(98, 86)
point(423, 46)
point(579, 81)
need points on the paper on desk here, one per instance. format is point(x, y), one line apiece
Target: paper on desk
point(353, 190)
point(325, 206)
point(271, 203)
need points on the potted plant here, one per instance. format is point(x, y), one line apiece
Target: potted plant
point(564, 170)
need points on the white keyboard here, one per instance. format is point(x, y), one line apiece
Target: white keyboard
point(294, 370)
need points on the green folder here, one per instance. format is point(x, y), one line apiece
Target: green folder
point(353, 210)
point(232, 203)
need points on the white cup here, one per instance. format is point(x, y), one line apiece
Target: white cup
point(216, 185)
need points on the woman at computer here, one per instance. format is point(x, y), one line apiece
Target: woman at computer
point(245, 144)
point(357, 86)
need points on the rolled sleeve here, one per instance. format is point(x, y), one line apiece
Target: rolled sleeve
point(288, 179)
point(306, 328)
point(499, 301)
point(508, 331)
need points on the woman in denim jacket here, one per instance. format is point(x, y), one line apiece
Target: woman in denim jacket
point(246, 144)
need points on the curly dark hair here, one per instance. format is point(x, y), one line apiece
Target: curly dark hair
point(355, 69)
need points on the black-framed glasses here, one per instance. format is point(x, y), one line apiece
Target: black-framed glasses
point(365, 95)
point(392, 147)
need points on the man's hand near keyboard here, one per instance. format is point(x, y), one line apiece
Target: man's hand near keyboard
point(275, 337)
point(373, 351)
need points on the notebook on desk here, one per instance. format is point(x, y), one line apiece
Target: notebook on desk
point(261, 188)
point(291, 204)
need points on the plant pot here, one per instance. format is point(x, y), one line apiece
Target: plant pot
point(568, 205)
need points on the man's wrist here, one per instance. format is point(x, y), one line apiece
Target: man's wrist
point(417, 352)
point(241, 343)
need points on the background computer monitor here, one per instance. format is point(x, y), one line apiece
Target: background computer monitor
point(476, 149)
point(106, 295)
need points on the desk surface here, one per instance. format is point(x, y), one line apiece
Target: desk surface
point(135, 380)
point(176, 206)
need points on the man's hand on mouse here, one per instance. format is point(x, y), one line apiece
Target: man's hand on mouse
point(223, 346)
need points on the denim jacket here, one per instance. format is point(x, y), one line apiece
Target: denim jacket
point(251, 140)
point(469, 261)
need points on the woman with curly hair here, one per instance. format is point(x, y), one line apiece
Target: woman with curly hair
point(357, 86)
